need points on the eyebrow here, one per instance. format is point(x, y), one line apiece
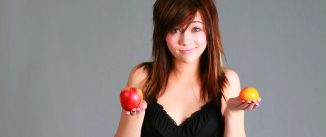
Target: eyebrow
point(196, 21)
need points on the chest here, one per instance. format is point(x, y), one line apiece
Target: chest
point(207, 122)
point(180, 109)
point(180, 103)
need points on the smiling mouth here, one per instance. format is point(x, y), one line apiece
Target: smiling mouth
point(187, 51)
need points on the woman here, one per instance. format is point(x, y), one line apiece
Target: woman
point(187, 91)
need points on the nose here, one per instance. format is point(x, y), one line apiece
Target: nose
point(185, 38)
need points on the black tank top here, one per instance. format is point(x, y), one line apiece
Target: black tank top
point(206, 122)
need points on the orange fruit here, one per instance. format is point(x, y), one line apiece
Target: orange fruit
point(249, 94)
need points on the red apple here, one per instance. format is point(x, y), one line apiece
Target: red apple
point(130, 98)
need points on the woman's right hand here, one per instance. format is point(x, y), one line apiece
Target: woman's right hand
point(135, 111)
point(130, 123)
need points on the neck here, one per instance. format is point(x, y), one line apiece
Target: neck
point(186, 71)
point(187, 74)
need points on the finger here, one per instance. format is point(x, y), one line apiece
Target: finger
point(254, 101)
point(257, 103)
point(133, 111)
point(138, 110)
point(256, 106)
point(244, 105)
point(249, 101)
point(250, 106)
point(127, 112)
point(143, 105)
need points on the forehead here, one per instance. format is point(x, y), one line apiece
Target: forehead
point(198, 17)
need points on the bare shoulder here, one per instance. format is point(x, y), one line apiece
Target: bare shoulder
point(233, 87)
point(137, 76)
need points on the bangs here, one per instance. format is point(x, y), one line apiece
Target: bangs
point(177, 13)
point(182, 19)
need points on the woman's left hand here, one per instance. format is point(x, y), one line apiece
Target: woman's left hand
point(237, 104)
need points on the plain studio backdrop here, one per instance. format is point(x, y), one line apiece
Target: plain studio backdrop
point(64, 62)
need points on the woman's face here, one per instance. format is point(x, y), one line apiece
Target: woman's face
point(187, 44)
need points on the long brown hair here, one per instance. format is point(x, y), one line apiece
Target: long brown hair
point(170, 13)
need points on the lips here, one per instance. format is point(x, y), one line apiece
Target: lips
point(187, 51)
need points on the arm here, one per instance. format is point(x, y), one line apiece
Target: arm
point(233, 107)
point(131, 122)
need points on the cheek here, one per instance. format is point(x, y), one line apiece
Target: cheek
point(170, 40)
point(201, 38)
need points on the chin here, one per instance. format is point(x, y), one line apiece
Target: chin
point(190, 60)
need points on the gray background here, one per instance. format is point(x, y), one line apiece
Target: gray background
point(63, 63)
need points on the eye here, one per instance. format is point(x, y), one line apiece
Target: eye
point(196, 29)
point(175, 30)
